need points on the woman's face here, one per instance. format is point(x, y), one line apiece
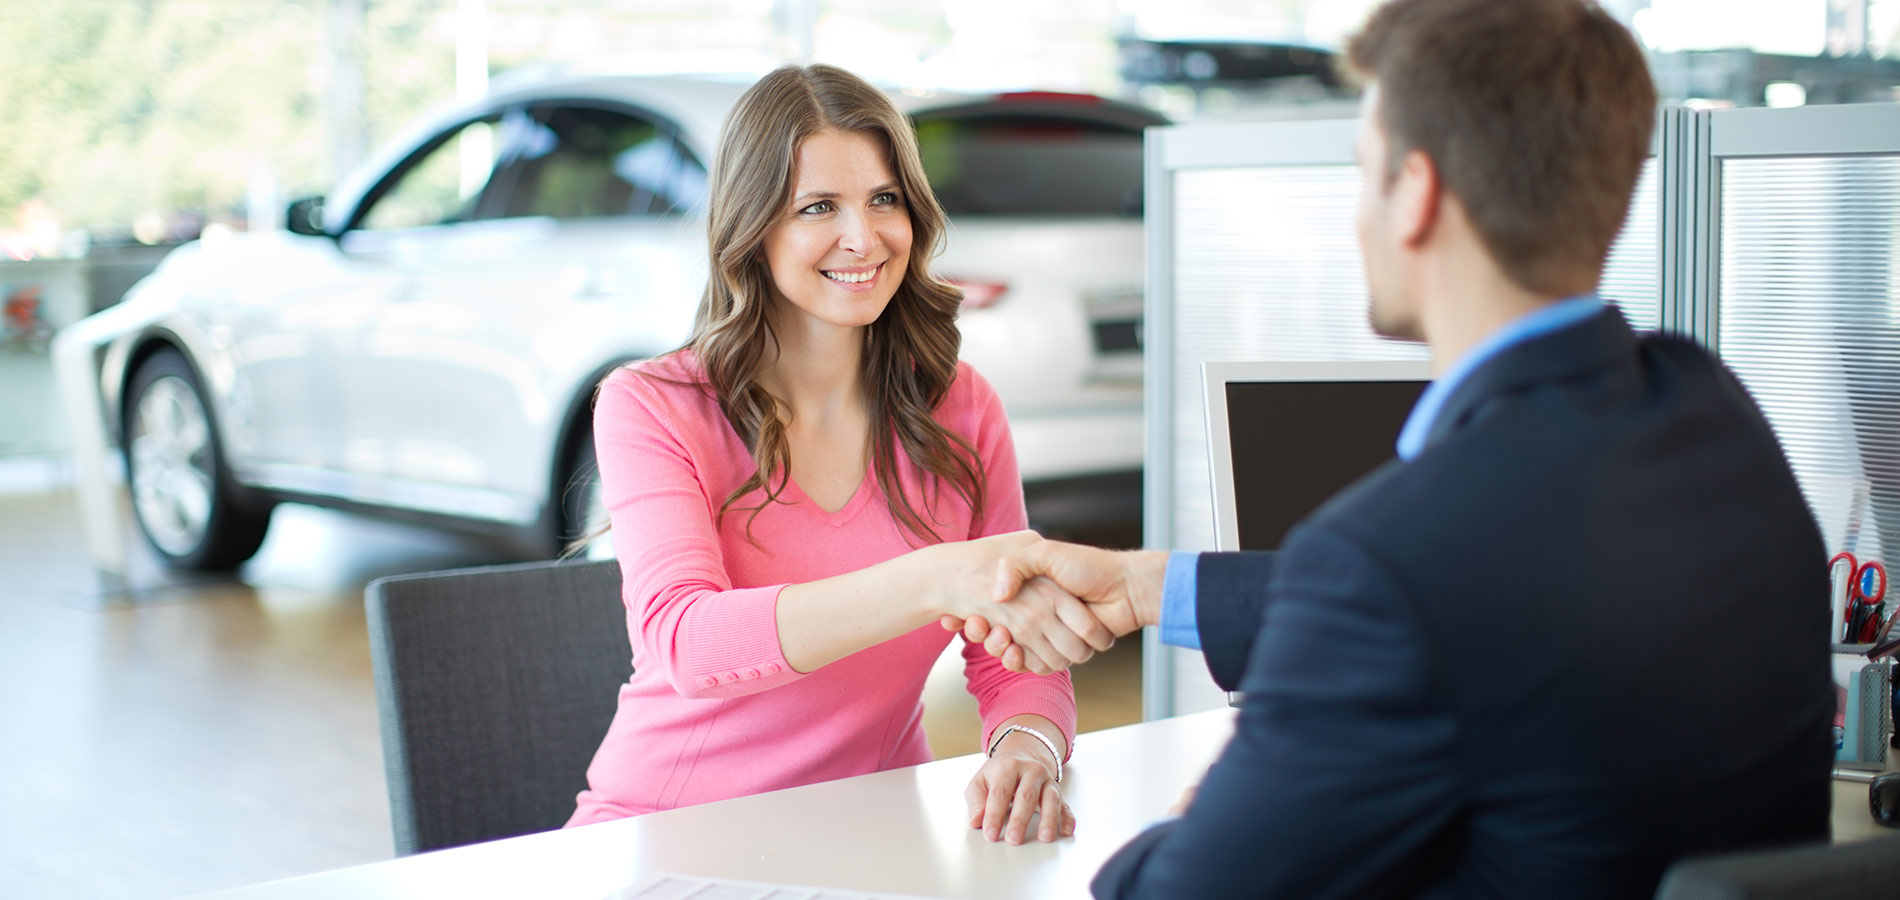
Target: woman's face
point(842, 244)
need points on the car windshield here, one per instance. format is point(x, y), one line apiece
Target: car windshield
point(1015, 164)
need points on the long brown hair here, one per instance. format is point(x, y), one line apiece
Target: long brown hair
point(910, 352)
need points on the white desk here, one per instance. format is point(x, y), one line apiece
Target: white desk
point(899, 832)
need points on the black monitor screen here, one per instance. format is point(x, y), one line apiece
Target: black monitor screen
point(1296, 443)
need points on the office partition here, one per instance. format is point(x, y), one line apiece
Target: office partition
point(1799, 292)
point(1252, 255)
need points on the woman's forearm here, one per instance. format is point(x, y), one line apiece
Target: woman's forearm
point(820, 622)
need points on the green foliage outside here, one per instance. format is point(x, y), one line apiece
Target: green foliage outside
point(116, 109)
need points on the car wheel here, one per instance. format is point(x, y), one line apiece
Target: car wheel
point(185, 500)
point(583, 513)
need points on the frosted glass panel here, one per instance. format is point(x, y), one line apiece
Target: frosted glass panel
point(1266, 267)
point(1808, 316)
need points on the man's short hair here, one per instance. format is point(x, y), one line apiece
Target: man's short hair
point(1536, 113)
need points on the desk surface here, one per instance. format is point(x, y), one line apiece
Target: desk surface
point(899, 832)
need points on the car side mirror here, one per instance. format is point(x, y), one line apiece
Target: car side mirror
point(305, 216)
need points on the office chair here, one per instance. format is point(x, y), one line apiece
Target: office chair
point(494, 687)
point(1851, 871)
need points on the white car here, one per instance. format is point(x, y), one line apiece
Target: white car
point(426, 340)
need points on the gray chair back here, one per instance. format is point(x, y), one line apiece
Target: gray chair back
point(1860, 870)
point(494, 687)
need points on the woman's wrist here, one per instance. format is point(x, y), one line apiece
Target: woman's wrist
point(1023, 742)
point(951, 578)
point(927, 578)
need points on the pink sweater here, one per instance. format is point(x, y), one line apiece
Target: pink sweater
point(713, 709)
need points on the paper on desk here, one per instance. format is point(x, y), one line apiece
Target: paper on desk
point(681, 887)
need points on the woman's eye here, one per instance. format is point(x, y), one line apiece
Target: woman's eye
point(885, 199)
point(819, 208)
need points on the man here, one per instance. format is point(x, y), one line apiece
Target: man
point(1574, 632)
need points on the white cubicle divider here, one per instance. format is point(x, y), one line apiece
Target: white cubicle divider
point(1797, 286)
point(1253, 255)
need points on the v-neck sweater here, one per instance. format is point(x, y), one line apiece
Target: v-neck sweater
point(713, 709)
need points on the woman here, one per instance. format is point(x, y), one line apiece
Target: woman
point(794, 496)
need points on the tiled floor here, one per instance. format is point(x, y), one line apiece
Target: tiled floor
point(169, 736)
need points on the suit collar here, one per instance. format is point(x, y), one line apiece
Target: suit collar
point(1426, 413)
point(1591, 345)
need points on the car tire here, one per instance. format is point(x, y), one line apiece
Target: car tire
point(187, 505)
point(580, 511)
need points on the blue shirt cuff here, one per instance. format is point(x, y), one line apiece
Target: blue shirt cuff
point(1179, 624)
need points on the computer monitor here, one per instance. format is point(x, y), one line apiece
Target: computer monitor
point(1300, 431)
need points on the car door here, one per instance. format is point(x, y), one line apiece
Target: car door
point(299, 319)
point(582, 253)
point(410, 238)
point(284, 307)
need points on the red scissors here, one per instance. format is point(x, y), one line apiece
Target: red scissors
point(1866, 585)
point(1841, 568)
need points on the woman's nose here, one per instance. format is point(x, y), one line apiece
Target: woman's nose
point(856, 234)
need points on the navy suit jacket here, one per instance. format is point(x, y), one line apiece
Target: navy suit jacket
point(1581, 635)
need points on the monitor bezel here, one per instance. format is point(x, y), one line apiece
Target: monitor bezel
point(1215, 376)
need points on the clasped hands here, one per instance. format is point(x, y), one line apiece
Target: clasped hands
point(1052, 604)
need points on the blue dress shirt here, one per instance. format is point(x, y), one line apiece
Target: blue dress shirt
point(1179, 625)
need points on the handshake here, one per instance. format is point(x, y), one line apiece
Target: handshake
point(1047, 605)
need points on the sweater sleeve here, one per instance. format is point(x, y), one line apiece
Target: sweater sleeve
point(999, 692)
point(709, 639)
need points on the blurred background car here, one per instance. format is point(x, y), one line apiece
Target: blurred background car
point(425, 341)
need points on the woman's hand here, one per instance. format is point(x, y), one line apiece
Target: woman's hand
point(1013, 785)
point(962, 574)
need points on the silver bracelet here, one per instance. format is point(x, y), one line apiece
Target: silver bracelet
point(1046, 742)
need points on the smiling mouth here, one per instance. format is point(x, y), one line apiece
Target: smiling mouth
point(853, 277)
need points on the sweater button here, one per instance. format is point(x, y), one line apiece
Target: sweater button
point(708, 681)
point(752, 673)
point(771, 669)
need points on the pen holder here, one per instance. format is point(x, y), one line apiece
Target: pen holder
point(1864, 717)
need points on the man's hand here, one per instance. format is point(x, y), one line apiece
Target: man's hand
point(1123, 588)
point(1051, 629)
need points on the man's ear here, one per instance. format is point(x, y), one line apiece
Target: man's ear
point(1417, 194)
